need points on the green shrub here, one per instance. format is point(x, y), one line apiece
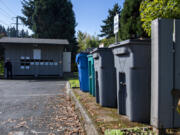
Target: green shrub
point(130, 131)
point(1, 67)
point(152, 9)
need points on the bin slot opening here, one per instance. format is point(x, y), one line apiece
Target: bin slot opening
point(122, 54)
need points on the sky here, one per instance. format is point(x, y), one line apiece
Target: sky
point(89, 13)
point(9, 9)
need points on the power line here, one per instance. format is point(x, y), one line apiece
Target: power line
point(5, 12)
point(5, 15)
point(7, 7)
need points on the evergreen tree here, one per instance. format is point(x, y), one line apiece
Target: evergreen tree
point(23, 34)
point(86, 41)
point(131, 25)
point(108, 41)
point(11, 32)
point(81, 40)
point(2, 31)
point(28, 10)
point(50, 18)
point(107, 30)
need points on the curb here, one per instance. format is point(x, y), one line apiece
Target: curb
point(88, 124)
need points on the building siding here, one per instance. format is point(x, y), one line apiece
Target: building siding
point(53, 53)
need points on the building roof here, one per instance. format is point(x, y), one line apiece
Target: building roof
point(7, 40)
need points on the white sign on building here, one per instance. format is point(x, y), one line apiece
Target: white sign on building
point(37, 54)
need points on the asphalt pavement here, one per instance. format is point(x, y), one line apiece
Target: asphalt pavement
point(36, 107)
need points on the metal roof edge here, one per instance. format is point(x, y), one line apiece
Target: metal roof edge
point(7, 40)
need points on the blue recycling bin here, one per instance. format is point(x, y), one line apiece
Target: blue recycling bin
point(82, 63)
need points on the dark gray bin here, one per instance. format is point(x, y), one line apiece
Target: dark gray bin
point(105, 75)
point(165, 84)
point(132, 62)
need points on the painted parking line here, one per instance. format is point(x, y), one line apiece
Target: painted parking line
point(37, 133)
point(60, 84)
point(25, 133)
point(32, 95)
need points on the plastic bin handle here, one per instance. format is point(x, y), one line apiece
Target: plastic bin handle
point(123, 84)
point(96, 56)
point(121, 52)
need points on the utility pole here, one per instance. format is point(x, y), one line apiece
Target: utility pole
point(17, 25)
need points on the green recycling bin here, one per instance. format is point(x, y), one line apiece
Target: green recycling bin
point(91, 74)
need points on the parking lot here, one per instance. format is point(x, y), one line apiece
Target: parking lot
point(35, 107)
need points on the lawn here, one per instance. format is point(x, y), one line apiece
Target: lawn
point(73, 80)
point(74, 83)
point(131, 131)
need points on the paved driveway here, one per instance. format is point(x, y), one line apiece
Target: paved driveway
point(35, 107)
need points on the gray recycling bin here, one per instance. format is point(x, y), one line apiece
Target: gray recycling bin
point(132, 62)
point(165, 84)
point(105, 77)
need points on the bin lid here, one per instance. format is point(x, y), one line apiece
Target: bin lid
point(89, 56)
point(80, 55)
point(132, 42)
point(100, 49)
